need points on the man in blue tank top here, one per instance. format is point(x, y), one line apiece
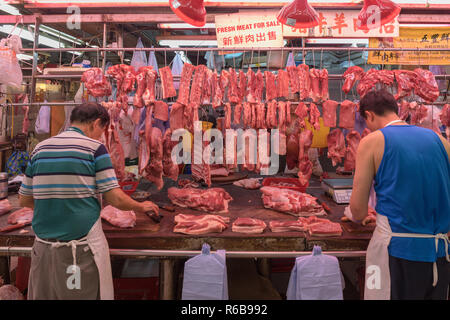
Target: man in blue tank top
point(410, 168)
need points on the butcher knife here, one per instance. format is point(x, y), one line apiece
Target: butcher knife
point(324, 206)
point(155, 217)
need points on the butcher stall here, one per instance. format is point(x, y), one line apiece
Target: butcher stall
point(241, 125)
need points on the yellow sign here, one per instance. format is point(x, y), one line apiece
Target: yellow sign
point(319, 136)
point(249, 30)
point(341, 24)
point(423, 38)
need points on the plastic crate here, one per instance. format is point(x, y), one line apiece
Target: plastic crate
point(295, 184)
point(128, 187)
point(136, 288)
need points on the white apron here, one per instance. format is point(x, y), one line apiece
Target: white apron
point(378, 279)
point(96, 241)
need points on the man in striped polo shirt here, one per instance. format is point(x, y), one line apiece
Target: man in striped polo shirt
point(70, 256)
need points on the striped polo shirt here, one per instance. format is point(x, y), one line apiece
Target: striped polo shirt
point(64, 177)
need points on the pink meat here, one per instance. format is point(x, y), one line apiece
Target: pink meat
point(336, 146)
point(218, 93)
point(426, 86)
point(419, 114)
point(196, 88)
point(233, 94)
point(242, 88)
point(185, 83)
point(23, 215)
point(351, 75)
point(118, 218)
point(286, 226)
point(316, 92)
point(353, 138)
point(271, 88)
point(314, 115)
point(5, 206)
point(203, 224)
point(149, 93)
point(248, 225)
point(214, 200)
point(170, 169)
point(96, 83)
point(176, 116)
point(161, 111)
point(154, 170)
point(141, 86)
point(302, 112)
point(324, 84)
point(406, 81)
point(329, 113)
point(445, 115)
point(227, 109)
point(347, 115)
point(259, 86)
point(293, 78)
point(251, 86)
point(305, 165)
point(283, 84)
point(237, 113)
point(304, 81)
point(292, 151)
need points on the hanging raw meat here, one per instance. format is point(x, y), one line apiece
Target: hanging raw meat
point(419, 114)
point(298, 14)
point(353, 138)
point(347, 115)
point(288, 113)
point(305, 165)
point(281, 115)
point(237, 113)
point(368, 18)
point(314, 115)
point(351, 75)
point(445, 115)
point(385, 77)
point(259, 86)
point(426, 86)
point(233, 95)
point(271, 88)
point(293, 78)
point(176, 116)
point(149, 94)
point(196, 88)
point(304, 81)
point(324, 95)
point(403, 110)
point(96, 83)
point(154, 170)
point(260, 116)
point(242, 88)
point(336, 146)
point(185, 83)
point(170, 169)
point(200, 168)
point(208, 87)
point(251, 86)
point(368, 81)
point(292, 151)
point(302, 112)
point(116, 151)
point(167, 82)
point(218, 93)
point(329, 113)
point(247, 118)
point(406, 81)
point(141, 86)
point(128, 79)
point(227, 108)
point(161, 111)
point(283, 84)
point(254, 115)
point(224, 83)
point(316, 92)
point(271, 117)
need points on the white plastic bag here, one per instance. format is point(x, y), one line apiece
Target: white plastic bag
point(205, 276)
point(10, 72)
point(42, 124)
point(152, 61)
point(177, 67)
point(139, 57)
point(290, 60)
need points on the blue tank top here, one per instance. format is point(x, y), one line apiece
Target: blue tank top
point(412, 185)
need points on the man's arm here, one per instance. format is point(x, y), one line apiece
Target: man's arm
point(117, 198)
point(26, 201)
point(362, 181)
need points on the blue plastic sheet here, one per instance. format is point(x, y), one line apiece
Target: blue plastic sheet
point(316, 277)
point(205, 276)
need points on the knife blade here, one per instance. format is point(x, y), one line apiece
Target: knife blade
point(155, 217)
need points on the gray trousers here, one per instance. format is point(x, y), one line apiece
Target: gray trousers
point(52, 276)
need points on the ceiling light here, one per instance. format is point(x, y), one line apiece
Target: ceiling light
point(190, 11)
point(376, 13)
point(22, 56)
point(298, 14)
point(187, 43)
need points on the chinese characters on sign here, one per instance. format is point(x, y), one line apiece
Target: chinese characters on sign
point(341, 24)
point(424, 38)
point(248, 30)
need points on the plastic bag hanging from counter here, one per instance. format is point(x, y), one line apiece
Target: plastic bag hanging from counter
point(190, 11)
point(376, 13)
point(177, 68)
point(139, 57)
point(42, 124)
point(316, 277)
point(205, 276)
point(298, 14)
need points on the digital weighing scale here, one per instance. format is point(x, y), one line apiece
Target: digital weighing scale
point(338, 189)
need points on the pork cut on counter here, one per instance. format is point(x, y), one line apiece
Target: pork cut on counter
point(251, 183)
point(202, 224)
point(336, 146)
point(23, 215)
point(5, 206)
point(214, 200)
point(319, 227)
point(286, 226)
point(290, 201)
point(248, 225)
point(118, 218)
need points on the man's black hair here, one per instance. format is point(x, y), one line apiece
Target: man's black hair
point(88, 112)
point(379, 101)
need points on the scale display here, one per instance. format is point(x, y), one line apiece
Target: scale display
point(340, 190)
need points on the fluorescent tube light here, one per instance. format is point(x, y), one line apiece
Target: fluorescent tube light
point(185, 43)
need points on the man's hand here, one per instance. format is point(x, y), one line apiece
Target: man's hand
point(148, 206)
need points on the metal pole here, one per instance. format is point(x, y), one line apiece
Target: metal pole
point(104, 45)
point(167, 279)
point(35, 60)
